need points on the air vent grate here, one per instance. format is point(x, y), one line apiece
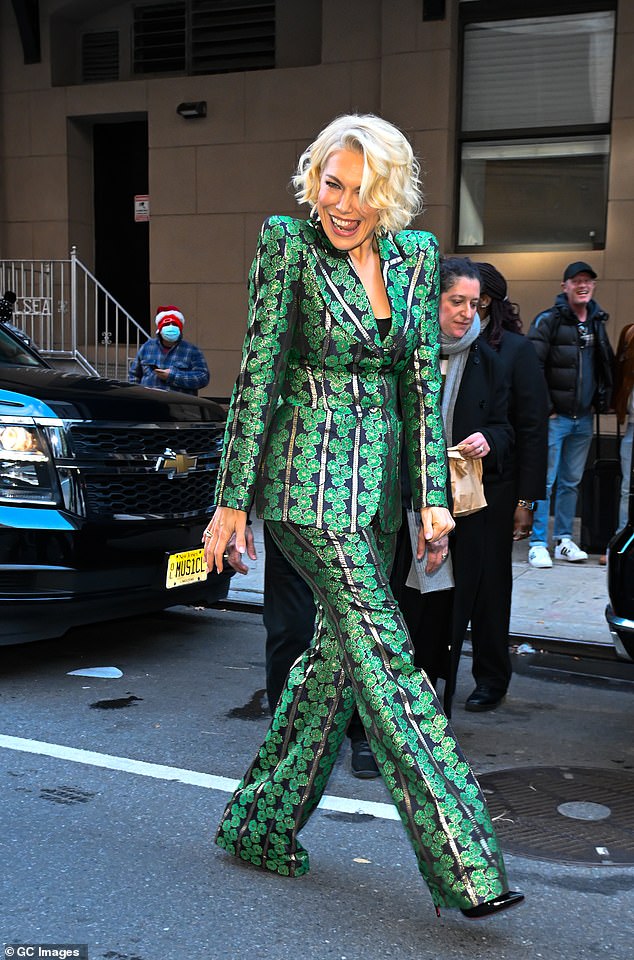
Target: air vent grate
point(204, 36)
point(100, 57)
point(160, 38)
point(232, 35)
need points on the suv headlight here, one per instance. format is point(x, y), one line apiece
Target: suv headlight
point(25, 466)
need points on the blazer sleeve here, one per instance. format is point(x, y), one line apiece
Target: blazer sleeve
point(530, 404)
point(272, 314)
point(419, 388)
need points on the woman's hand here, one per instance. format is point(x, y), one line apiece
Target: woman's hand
point(225, 524)
point(436, 523)
point(234, 558)
point(522, 523)
point(437, 554)
point(474, 447)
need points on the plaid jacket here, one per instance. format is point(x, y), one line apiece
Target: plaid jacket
point(186, 363)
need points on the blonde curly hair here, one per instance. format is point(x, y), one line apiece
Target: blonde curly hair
point(391, 176)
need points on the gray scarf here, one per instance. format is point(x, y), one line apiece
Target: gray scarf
point(456, 350)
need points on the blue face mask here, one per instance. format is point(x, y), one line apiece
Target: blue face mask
point(170, 333)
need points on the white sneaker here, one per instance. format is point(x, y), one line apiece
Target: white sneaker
point(539, 557)
point(567, 549)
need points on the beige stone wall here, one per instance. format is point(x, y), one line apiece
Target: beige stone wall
point(213, 181)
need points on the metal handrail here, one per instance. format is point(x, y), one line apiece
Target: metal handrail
point(113, 332)
point(71, 317)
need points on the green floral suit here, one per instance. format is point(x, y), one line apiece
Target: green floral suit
point(313, 422)
point(313, 436)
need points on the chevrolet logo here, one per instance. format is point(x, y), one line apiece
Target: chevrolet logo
point(175, 464)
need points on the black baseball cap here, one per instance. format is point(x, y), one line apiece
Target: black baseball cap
point(578, 267)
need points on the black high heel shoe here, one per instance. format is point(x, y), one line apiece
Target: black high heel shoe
point(506, 900)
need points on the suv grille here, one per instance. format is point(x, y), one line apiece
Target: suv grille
point(150, 495)
point(145, 442)
point(123, 473)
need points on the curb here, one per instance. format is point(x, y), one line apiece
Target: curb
point(557, 645)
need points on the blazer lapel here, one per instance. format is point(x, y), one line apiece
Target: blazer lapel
point(399, 276)
point(343, 292)
point(345, 296)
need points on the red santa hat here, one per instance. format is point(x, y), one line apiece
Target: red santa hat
point(167, 315)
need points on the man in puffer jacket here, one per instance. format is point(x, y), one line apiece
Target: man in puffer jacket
point(572, 344)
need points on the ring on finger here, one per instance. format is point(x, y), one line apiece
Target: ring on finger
point(207, 533)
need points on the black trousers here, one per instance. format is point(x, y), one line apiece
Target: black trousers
point(289, 621)
point(491, 612)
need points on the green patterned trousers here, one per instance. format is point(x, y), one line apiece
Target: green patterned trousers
point(362, 656)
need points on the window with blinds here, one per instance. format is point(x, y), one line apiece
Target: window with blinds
point(535, 131)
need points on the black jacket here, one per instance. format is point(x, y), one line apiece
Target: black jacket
point(481, 405)
point(525, 467)
point(555, 336)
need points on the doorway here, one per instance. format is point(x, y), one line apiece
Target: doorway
point(122, 255)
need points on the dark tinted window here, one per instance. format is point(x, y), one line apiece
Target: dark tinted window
point(16, 354)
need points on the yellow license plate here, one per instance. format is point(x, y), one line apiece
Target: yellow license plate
point(186, 567)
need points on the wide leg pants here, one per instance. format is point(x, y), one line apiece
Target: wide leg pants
point(362, 656)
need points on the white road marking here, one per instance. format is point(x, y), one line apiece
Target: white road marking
point(384, 811)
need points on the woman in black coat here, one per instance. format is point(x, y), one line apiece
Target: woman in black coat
point(474, 413)
point(511, 493)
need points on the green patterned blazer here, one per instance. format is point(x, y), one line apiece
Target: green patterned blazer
point(318, 410)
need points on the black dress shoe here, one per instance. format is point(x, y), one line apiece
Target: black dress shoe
point(363, 763)
point(506, 900)
point(484, 698)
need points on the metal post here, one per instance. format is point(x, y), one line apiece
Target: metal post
point(73, 299)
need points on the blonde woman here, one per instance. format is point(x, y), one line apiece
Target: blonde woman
point(343, 323)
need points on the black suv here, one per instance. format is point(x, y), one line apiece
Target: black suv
point(105, 489)
point(620, 610)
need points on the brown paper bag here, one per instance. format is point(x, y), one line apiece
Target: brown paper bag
point(466, 483)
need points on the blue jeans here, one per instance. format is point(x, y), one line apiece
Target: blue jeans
point(568, 445)
point(626, 467)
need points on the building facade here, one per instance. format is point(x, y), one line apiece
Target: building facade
point(193, 113)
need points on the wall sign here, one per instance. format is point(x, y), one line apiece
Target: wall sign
point(141, 208)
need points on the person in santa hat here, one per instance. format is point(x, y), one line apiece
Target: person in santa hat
point(167, 362)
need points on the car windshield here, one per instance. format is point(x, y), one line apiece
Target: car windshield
point(16, 354)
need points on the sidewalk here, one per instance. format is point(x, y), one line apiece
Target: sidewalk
point(564, 603)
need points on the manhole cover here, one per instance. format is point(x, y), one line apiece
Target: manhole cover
point(564, 814)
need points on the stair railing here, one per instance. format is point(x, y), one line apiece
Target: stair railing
point(70, 316)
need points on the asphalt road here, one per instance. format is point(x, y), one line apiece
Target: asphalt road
point(113, 847)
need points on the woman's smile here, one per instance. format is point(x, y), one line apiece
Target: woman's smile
point(345, 227)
